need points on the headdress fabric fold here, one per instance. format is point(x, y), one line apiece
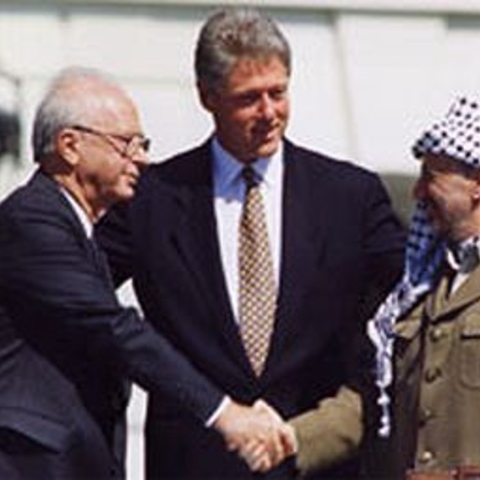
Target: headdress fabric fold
point(457, 136)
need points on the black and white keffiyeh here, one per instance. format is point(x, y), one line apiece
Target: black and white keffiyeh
point(457, 136)
point(423, 257)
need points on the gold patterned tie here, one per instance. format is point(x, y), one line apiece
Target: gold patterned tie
point(257, 292)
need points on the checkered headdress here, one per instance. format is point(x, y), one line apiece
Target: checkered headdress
point(457, 136)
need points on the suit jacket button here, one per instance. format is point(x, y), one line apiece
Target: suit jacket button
point(426, 456)
point(432, 374)
point(425, 415)
point(436, 334)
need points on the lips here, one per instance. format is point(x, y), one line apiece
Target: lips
point(132, 180)
point(266, 134)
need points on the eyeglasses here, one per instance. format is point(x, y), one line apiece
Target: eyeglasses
point(132, 146)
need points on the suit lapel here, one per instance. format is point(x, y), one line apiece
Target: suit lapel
point(53, 194)
point(197, 241)
point(438, 305)
point(301, 246)
point(468, 293)
point(438, 299)
point(302, 239)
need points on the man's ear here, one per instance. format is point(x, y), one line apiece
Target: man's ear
point(66, 146)
point(475, 191)
point(206, 95)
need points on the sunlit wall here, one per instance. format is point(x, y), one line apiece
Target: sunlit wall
point(368, 75)
point(365, 80)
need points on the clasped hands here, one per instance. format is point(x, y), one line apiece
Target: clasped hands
point(258, 434)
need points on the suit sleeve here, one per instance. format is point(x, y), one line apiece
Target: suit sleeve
point(333, 430)
point(330, 433)
point(384, 244)
point(51, 287)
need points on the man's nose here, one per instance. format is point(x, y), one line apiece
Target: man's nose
point(141, 158)
point(266, 106)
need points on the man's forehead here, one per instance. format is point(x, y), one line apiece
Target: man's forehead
point(445, 163)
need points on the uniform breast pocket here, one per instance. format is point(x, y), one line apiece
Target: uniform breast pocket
point(407, 346)
point(469, 364)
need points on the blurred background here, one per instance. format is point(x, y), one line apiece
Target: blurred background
point(368, 76)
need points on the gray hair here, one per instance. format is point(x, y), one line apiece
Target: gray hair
point(68, 101)
point(230, 34)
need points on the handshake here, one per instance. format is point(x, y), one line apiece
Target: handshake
point(258, 434)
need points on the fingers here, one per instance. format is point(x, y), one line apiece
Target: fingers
point(239, 424)
point(276, 444)
point(256, 456)
point(289, 440)
point(266, 454)
point(282, 442)
point(262, 406)
point(258, 434)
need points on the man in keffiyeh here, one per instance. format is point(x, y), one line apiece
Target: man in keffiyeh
point(427, 331)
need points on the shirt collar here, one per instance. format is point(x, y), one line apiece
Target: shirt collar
point(465, 255)
point(79, 211)
point(226, 168)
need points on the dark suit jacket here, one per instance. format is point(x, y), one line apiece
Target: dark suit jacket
point(45, 430)
point(339, 239)
point(56, 288)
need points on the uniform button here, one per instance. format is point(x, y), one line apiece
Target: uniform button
point(436, 334)
point(426, 456)
point(425, 415)
point(432, 374)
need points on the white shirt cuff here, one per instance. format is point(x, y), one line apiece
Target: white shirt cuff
point(226, 400)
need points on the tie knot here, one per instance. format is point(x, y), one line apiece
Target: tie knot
point(249, 176)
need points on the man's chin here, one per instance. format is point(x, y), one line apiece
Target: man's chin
point(125, 195)
point(268, 150)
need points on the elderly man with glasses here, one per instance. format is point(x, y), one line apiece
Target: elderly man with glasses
point(66, 345)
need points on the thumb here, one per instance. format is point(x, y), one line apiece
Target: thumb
point(262, 406)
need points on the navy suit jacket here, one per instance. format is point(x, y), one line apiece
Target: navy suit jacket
point(45, 430)
point(58, 294)
point(340, 242)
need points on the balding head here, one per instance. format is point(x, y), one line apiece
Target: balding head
point(76, 96)
point(88, 138)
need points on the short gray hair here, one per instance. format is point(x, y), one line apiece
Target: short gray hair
point(67, 102)
point(233, 33)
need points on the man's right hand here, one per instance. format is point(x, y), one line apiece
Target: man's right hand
point(258, 434)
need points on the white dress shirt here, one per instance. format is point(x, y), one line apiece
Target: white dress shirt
point(79, 211)
point(229, 194)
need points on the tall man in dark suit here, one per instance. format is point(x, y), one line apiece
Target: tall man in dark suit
point(67, 345)
point(332, 239)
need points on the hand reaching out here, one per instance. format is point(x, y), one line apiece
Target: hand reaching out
point(263, 455)
point(257, 433)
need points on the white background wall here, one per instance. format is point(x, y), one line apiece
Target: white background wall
point(368, 75)
point(365, 80)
